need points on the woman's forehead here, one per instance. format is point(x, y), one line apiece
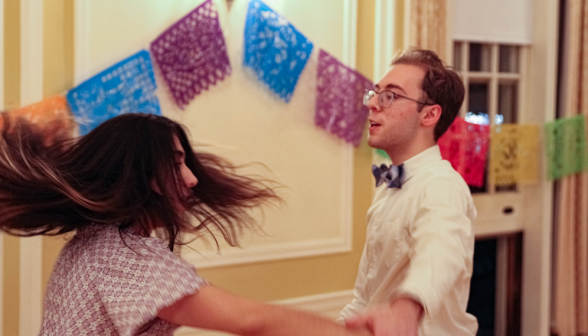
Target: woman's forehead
point(177, 144)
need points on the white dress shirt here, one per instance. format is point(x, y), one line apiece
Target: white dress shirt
point(420, 244)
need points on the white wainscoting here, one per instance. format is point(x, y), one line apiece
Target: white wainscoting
point(31, 91)
point(327, 304)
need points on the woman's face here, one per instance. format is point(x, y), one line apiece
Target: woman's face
point(186, 174)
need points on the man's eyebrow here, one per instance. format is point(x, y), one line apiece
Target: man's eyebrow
point(392, 86)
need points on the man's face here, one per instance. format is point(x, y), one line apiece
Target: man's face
point(393, 128)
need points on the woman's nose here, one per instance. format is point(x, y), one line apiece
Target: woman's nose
point(189, 178)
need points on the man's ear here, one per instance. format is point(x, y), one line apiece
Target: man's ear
point(430, 115)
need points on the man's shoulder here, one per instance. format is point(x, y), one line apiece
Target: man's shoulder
point(441, 172)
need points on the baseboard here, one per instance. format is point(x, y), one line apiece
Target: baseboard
point(326, 304)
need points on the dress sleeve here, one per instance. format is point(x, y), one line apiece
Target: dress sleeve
point(144, 278)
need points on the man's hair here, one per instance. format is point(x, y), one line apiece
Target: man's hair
point(441, 85)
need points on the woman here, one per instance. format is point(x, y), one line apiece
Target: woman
point(133, 176)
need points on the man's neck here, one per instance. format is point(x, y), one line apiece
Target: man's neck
point(403, 153)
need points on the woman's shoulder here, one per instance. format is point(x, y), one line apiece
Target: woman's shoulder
point(107, 244)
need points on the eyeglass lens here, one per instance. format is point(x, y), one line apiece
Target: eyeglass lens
point(385, 98)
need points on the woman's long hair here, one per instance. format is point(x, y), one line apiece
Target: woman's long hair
point(125, 173)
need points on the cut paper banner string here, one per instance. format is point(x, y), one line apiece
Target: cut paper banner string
point(382, 153)
point(192, 54)
point(465, 146)
point(50, 118)
point(339, 99)
point(514, 154)
point(274, 50)
point(128, 86)
point(566, 147)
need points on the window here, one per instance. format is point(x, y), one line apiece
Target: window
point(493, 79)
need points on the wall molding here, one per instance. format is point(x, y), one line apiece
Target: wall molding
point(305, 248)
point(31, 90)
point(326, 304)
point(1, 108)
point(1, 72)
point(298, 249)
point(81, 40)
point(350, 32)
point(385, 36)
point(1, 263)
point(341, 242)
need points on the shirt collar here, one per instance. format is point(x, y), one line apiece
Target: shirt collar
point(421, 160)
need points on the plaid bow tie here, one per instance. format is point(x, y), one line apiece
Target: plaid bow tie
point(392, 175)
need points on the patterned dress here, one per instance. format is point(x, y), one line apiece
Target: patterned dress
point(105, 283)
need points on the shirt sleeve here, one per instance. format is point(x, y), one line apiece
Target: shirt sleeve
point(358, 305)
point(442, 244)
point(144, 278)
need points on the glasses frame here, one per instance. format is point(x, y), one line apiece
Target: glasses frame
point(369, 94)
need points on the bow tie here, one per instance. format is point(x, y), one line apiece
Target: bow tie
point(392, 175)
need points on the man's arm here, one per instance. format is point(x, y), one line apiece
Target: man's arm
point(358, 304)
point(213, 308)
point(400, 317)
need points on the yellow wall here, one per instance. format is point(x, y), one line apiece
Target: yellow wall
point(263, 281)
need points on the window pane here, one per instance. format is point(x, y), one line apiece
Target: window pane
point(480, 56)
point(478, 98)
point(457, 61)
point(478, 113)
point(508, 59)
point(507, 102)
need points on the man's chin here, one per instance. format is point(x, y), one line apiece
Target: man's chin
point(373, 143)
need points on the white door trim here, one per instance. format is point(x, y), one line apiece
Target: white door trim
point(1, 108)
point(31, 91)
point(384, 36)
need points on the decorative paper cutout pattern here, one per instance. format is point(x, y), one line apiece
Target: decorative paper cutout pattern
point(192, 54)
point(339, 99)
point(274, 50)
point(566, 146)
point(50, 118)
point(514, 154)
point(465, 145)
point(128, 86)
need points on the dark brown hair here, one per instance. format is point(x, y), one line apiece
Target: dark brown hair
point(109, 177)
point(441, 85)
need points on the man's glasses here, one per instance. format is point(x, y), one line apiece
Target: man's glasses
point(386, 98)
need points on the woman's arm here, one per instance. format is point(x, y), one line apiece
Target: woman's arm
point(213, 308)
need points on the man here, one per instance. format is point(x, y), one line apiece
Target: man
point(414, 275)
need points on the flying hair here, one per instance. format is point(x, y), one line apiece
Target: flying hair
point(123, 173)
